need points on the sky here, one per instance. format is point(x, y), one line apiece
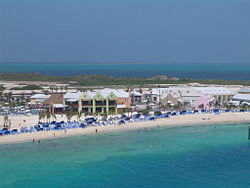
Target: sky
point(125, 31)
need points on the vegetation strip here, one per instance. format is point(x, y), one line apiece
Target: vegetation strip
point(105, 80)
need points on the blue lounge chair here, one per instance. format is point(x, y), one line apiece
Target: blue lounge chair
point(121, 122)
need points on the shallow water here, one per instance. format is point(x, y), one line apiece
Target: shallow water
point(232, 71)
point(192, 156)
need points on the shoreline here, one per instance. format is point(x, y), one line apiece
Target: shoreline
point(174, 121)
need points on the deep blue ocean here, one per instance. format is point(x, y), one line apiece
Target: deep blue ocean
point(226, 71)
point(214, 156)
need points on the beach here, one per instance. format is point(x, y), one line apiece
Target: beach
point(182, 120)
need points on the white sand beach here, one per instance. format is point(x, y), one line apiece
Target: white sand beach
point(184, 120)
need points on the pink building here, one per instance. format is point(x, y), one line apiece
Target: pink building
point(205, 102)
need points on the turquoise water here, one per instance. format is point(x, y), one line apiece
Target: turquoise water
point(198, 156)
point(231, 71)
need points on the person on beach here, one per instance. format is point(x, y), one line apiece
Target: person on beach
point(96, 130)
point(54, 134)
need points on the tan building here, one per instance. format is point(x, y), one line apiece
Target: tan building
point(55, 103)
point(123, 99)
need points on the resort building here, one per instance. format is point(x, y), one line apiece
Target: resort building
point(13, 96)
point(156, 98)
point(136, 97)
point(72, 100)
point(99, 101)
point(38, 98)
point(123, 99)
point(154, 95)
point(241, 99)
point(170, 100)
point(55, 103)
point(190, 96)
point(221, 94)
point(205, 102)
point(244, 90)
point(187, 96)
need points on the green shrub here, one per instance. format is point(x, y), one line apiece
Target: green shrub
point(28, 87)
point(157, 113)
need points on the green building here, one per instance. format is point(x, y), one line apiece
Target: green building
point(92, 102)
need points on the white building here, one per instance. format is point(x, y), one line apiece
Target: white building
point(38, 98)
point(221, 94)
point(72, 96)
point(241, 98)
point(72, 99)
point(244, 90)
point(185, 95)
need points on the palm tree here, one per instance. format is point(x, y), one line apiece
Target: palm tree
point(169, 106)
point(241, 102)
point(210, 104)
point(8, 96)
point(216, 104)
point(126, 111)
point(230, 106)
point(48, 116)
point(41, 116)
point(69, 115)
point(201, 106)
point(244, 106)
point(79, 115)
point(7, 122)
point(54, 116)
point(164, 107)
point(104, 116)
point(178, 106)
point(145, 112)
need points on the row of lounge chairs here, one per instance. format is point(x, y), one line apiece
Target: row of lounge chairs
point(91, 121)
